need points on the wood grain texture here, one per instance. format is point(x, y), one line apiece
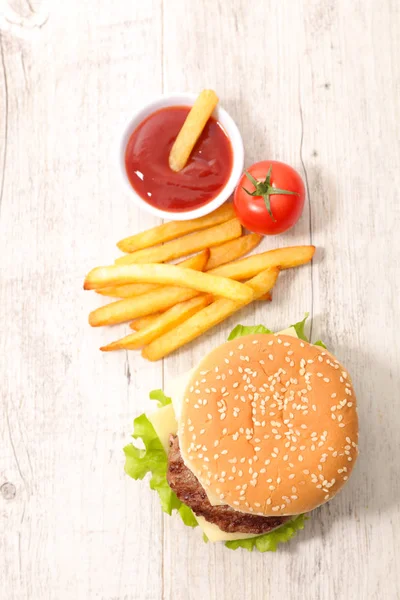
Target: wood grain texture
point(313, 83)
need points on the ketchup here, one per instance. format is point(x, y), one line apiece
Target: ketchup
point(146, 161)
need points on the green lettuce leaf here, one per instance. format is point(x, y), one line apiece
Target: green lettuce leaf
point(299, 327)
point(153, 459)
point(162, 399)
point(187, 515)
point(270, 541)
point(241, 330)
point(319, 343)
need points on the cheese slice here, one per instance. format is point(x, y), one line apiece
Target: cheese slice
point(289, 331)
point(215, 534)
point(164, 423)
point(175, 390)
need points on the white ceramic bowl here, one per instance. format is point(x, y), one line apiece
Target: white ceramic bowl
point(231, 130)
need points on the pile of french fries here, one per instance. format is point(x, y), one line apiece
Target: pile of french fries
point(170, 305)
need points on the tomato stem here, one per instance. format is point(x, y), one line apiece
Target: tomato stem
point(265, 190)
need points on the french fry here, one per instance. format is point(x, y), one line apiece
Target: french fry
point(225, 253)
point(266, 297)
point(196, 262)
point(131, 308)
point(127, 291)
point(168, 275)
point(214, 236)
point(142, 322)
point(234, 248)
point(193, 126)
point(285, 258)
point(206, 318)
point(175, 229)
point(165, 322)
point(146, 304)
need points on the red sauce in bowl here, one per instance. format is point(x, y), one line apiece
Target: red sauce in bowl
point(203, 178)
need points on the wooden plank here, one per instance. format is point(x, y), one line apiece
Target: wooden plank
point(266, 107)
point(351, 148)
point(77, 526)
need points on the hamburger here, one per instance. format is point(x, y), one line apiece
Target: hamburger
point(261, 432)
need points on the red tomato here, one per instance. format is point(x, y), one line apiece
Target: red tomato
point(269, 198)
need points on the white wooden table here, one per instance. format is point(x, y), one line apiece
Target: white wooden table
point(315, 83)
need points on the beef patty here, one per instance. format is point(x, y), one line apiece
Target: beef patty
point(189, 490)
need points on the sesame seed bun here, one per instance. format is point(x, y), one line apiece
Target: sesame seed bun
point(269, 425)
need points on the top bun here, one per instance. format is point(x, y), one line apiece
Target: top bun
point(269, 425)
